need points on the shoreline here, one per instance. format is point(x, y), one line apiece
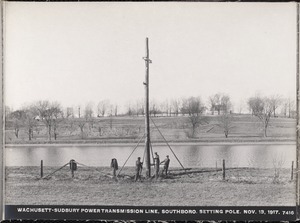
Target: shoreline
point(201, 143)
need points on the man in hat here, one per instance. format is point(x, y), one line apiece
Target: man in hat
point(166, 163)
point(156, 165)
point(138, 168)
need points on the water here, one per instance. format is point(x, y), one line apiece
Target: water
point(263, 156)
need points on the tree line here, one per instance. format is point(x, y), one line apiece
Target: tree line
point(52, 114)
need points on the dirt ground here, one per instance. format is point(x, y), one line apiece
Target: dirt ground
point(202, 187)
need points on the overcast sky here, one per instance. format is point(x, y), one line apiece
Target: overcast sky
point(79, 52)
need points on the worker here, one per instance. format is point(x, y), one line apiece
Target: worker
point(166, 163)
point(114, 165)
point(138, 169)
point(156, 165)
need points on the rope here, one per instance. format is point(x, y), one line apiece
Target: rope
point(131, 154)
point(55, 171)
point(143, 161)
point(144, 155)
point(81, 164)
point(90, 167)
point(168, 144)
point(151, 151)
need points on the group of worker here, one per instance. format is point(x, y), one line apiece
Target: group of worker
point(139, 166)
point(157, 163)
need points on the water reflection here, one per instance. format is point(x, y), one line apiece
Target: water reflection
point(190, 155)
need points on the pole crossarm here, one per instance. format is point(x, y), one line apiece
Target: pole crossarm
point(147, 59)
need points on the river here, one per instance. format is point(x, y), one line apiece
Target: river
point(235, 155)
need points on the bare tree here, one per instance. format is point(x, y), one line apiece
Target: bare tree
point(153, 108)
point(285, 106)
point(225, 122)
point(225, 104)
point(69, 112)
point(214, 101)
point(47, 112)
point(130, 110)
point(194, 107)
point(88, 110)
point(70, 124)
point(291, 107)
point(29, 120)
point(99, 128)
point(276, 101)
point(102, 107)
point(58, 118)
point(81, 123)
point(184, 109)
point(89, 115)
point(165, 108)
point(7, 111)
point(262, 108)
point(16, 117)
point(219, 102)
point(175, 105)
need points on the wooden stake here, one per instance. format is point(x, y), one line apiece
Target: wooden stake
point(223, 169)
point(42, 173)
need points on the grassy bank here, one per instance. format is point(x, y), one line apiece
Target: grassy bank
point(246, 128)
point(94, 186)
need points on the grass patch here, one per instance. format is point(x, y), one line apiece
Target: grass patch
point(94, 186)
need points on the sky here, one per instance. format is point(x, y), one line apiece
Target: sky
point(81, 52)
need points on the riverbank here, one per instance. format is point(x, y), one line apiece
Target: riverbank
point(289, 142)
point(203, 187)
point(129, 130)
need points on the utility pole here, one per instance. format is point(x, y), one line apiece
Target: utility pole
point(147, 124)
point(298, 109)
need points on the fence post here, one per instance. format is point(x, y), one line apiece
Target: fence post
point(292, 171)
point(216, 165)
point(223, 169)
point(42, 173)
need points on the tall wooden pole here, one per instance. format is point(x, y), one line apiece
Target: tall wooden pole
point(298, 110)
point(147, 124)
